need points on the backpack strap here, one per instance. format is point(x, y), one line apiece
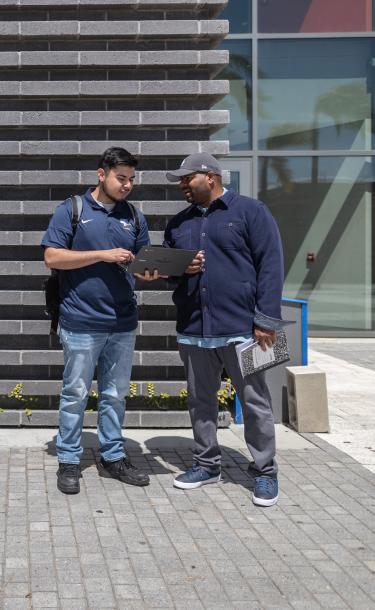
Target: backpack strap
point(135, 216)
point(77, 206)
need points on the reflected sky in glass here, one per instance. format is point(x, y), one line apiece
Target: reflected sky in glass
point(278, 16)
point(316, 94)
point(238, 12)
point(239, 101)
point(324, 207)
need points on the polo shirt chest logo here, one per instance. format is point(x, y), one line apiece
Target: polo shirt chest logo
point(126, 225)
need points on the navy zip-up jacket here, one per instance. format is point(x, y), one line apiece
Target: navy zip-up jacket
point(242, 277)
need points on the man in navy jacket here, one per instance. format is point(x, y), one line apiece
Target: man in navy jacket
point(231, 292)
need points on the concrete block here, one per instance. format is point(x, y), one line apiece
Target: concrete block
point(40, 418)
point(132, 419)
point(49, 88)
point(10, 327)
point(215, 147)
point(35, 327)
point(158, 329)
point(173, 87)
point(162, 148)
point(50, 177)
point(8, 357)
point(161, 208)
point(10, 268)
point(108, 29)
point(31, 238)
point(49, 58)
point(108, 88)
point(11, 177)
point(112, 118)
point(156, 237)
point(178, 117)
point(33, 297)
point(214, 87)
point(38, 208)
point(46, 148)
point(214, 57)
point(170, 58)
point(9, 29)
point(39, 387)
point(9, 88)
point(10, 238)
point(185, 27)
point(307, 398)
point(214, 117)
point(47, 29)
point(10, 118)
point(9, 59)
point(163, 358)
point(34, 268)
point(218, 27)
point(152, 177)
point(10, 297)
point(109, 58)
point(165, 419)
point(154, 297)
point(96, 147)
point(10, 418)
point(41, 357)
point(40, 118)
point(10, 148)
point(10, 207)
point(90, 419)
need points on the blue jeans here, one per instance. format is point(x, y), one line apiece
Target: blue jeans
point(113, 355)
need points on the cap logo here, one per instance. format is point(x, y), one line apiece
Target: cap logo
point(204, 167)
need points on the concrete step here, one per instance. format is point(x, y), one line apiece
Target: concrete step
point(35, 298)
point(43, 387)
point(215, 89)
point(133, 419)
point(55, 357)
point(127, 59)
point(57, 148)
point(75, 29)
point(46, 208)
point(42, 327)
point(179, 119)
point(73, 177)
point(33, 238)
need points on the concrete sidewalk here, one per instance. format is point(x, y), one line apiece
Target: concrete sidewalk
point(115, 547)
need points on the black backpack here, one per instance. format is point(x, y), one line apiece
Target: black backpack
point(51, 284)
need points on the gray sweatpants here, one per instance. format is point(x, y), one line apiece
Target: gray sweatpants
point(203, 369)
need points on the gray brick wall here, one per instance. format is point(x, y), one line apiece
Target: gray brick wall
point(77, 76)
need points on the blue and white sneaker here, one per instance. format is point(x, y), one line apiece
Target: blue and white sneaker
point(266, 491)
point(195, 477)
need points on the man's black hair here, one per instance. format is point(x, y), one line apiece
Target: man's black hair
point(116, 156)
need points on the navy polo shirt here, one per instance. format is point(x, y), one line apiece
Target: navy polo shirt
point(99, 297)
point(243, 274)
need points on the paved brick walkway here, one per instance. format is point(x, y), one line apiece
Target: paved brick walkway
point(119, 547)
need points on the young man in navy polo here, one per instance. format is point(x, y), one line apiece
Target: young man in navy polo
point(98, 315)
point(232, 295)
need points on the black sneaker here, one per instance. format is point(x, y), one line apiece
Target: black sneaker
point(68, 476)
point(124, 471)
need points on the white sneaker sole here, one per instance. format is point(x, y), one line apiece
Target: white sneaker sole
point(263, 502)
point(182, 485)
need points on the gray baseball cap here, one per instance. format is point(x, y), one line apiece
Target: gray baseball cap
point(197, 162)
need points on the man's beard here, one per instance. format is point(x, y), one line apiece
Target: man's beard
point(110, 196)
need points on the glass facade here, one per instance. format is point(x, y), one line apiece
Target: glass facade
point(304, 16)
point(302, 105)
